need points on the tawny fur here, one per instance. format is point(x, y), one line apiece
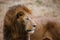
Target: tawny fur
point(48, 28)
point(14, 27)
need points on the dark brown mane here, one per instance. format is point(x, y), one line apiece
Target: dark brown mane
point(12, 29)
point(22, 7)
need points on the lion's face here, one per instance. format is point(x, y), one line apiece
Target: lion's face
point(28, 21)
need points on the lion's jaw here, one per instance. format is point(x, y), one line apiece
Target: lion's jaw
point(31, 31)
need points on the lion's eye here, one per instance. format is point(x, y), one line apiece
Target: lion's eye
point(20, 14)
point(27, 18)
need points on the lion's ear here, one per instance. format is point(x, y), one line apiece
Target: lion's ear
point(19, 14)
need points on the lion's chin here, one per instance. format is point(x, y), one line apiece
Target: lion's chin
point(31, 32)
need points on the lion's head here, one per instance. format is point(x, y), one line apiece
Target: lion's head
point(18, 20)
point(24, 16)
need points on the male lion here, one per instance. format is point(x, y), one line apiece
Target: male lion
point(47, 28)
point(18, 23)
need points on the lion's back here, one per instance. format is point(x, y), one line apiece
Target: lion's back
point(47, 27)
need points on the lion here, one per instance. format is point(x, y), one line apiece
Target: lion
point(47, 28)
point(18, 23)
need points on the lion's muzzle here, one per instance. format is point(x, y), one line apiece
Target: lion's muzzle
point(31, 31)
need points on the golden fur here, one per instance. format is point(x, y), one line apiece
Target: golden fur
point(17, 20)
point(47, 28)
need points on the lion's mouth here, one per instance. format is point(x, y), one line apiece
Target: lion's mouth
point(31, 31)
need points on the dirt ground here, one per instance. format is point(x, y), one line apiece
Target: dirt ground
point(49, 8)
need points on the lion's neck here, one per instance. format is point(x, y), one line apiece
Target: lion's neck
point(28, 36)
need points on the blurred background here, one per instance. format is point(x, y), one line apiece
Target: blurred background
point(49, 8)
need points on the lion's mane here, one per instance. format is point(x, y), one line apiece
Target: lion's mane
point(12, 29)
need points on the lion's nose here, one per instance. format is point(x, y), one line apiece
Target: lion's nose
point(34, 25)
